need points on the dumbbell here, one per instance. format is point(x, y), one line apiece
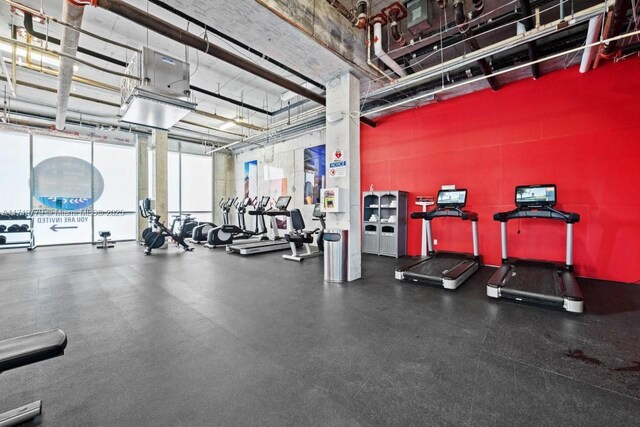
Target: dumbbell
point(3, 228)
point(13, 228)
point(3, 240)
point(24, 227)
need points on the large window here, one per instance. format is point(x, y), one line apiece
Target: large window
point(76, 188)
point(14, 172)
point(115, 209)
point(196, 186)
point(190, 182)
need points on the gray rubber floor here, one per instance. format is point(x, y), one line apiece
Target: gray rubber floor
point(212, 339)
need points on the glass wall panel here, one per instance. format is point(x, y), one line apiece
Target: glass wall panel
point(197, 183)
point(14, 172)
point(115, 209)
point(173, 180)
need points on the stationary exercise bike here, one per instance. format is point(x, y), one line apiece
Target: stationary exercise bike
point(301, 237)
point(155, 238)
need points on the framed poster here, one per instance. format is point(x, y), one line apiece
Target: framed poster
point(251, 179)
point(315, 177)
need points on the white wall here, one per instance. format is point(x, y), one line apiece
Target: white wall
point(289, 156)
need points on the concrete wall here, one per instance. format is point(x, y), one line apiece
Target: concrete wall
point(289, 156)
point(224, 184)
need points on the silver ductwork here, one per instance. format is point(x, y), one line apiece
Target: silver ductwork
point(71, 14)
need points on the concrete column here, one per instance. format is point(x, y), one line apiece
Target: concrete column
point(343, 134)
point(142, 149)
point(159, 184)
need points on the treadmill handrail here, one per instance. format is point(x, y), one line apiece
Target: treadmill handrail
point(544, 212)
point(445, 212)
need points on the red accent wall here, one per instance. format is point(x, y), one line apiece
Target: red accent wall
point(579, 131)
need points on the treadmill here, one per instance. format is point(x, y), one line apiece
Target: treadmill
point(446, 269)
point(538, 282)
point(276, 244)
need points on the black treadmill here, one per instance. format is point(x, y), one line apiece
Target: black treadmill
point(538, 282)
point(446, 269)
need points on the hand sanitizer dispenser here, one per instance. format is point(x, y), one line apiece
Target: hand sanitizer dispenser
point(334, 200)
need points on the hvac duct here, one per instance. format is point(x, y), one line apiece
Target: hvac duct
point(362, 6)
point(478, 8)
point(72, 12)
point(394, 27)
point(173, 32)
point(592, 36)
point(381, 54)
point(463, 25)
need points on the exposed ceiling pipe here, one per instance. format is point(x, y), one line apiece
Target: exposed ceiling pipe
point(394, 27)
point(28, 25)
point(369, 61)
point(532, 45)
point(173, 32)
point(381, 54)
point(536, 33)
point(72, 12)
point(619, 15)
point(236, 42)
point(463, 26)
point(478, 8)
point(343, 11)
point(593, 33)
point(361, 14)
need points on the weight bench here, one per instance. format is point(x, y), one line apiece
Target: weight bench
point(23, 351)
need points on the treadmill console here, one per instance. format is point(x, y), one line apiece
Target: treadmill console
point(536, 196)
point(264, 201)
point(282, 203)
point(452, 199)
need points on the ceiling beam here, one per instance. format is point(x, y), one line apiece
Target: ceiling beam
point(179, 35)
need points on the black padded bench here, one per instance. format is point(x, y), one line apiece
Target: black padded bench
point(25, 350)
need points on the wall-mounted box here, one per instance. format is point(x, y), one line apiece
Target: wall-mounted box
point(334, 200)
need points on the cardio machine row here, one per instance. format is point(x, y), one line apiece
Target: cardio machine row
point(238, 238)
point(241, 240)
point(521, 280)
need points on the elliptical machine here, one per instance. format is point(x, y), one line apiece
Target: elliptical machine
point(156, 239)
point(226, 233)
point(201, 231)
point(299, 236)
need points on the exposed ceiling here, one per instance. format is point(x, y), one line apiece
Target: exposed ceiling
point(307, 41)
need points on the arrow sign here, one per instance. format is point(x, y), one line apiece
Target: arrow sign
point(56, 227)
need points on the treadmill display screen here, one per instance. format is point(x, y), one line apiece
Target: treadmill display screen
point(265, 201)
point(452, 198)
point(536, 195)
point(283, 202)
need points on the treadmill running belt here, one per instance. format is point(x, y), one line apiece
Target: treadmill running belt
point(435, 266)
point(539, 278)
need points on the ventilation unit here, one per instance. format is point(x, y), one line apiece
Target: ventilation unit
point(161, 98)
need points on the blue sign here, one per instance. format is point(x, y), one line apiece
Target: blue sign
point(339, 164)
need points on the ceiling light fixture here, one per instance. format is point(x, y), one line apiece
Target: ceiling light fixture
point(228, 125)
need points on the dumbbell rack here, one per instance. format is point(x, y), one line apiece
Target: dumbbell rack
point(28, 242)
